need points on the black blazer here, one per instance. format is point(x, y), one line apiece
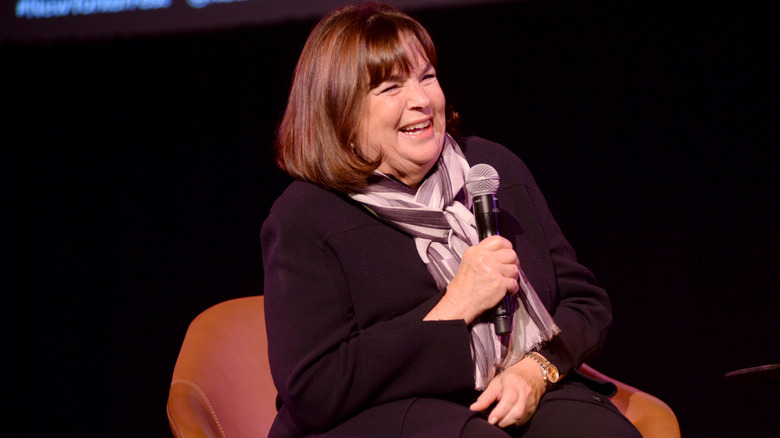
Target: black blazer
point(346, 293)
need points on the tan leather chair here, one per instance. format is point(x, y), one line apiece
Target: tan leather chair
point(222, 383)
point(651, 416)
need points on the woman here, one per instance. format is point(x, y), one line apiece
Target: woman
point(376, 285)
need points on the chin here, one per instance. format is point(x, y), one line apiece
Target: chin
point(431, 149)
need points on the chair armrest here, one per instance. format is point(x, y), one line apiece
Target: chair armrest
point(650, 415)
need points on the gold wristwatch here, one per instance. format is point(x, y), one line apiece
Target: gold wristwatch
point(549, 371)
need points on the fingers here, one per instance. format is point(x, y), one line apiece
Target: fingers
point(510, 407)
point(487, 272)
point(515, 400)
point(488, 396)
point(505, 264)
point(494, 243)
point(496, 253)
point(507, 412)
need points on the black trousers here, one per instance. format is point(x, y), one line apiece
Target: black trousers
point(577, 407)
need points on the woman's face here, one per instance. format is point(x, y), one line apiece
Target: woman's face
point(404, 118)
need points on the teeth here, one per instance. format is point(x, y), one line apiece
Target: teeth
point(422, 125)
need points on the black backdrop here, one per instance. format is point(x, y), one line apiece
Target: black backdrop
point(139, 173)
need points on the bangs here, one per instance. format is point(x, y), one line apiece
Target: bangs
point(392, 52)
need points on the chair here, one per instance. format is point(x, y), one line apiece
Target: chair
point(651, 416)
point(222, 385)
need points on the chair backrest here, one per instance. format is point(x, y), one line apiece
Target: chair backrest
point(222, 383)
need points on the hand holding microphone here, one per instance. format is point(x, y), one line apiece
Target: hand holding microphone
point(482, 184)
point(489, 270)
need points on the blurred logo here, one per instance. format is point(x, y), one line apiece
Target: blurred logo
point(203, 3)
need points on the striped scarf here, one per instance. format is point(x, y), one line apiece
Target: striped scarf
point(439, 218)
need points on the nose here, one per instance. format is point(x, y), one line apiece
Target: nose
point(418, 97)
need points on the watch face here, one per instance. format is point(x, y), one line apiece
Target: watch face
point(552, 374)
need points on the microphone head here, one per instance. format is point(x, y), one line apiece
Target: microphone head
point(482, 180)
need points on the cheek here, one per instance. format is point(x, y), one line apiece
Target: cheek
point(380, 115)
point(373, 131)
point(439, 102)
point(364, 140)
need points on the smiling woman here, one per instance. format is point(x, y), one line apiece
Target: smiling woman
point(377, 286)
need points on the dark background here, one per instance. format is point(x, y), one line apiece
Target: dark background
point(139, 171)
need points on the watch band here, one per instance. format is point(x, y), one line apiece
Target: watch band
point(549, 371)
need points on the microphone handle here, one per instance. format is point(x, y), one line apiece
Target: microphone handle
point(501, 318)
point(486, 215)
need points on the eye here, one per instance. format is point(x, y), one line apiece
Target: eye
point(389, 88)
point(428, 75)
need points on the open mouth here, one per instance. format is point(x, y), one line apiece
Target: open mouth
point(417, 128)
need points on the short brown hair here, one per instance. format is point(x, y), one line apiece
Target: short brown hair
point(349, 52)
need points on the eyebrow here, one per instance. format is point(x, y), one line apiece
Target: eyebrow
point(395, 78)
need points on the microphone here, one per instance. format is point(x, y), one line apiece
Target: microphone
point(482, 184)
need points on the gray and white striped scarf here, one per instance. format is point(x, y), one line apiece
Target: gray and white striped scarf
point(439, 218)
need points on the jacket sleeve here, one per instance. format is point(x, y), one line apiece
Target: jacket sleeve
point(327, 368)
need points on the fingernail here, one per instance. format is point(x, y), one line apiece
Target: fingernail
point(493, 420)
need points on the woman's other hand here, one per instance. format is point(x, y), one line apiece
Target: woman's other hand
point(487, 272)
point(516, 392)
